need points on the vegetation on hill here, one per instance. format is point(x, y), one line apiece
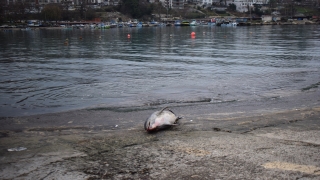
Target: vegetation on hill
point(136, 8)
point(140, 9)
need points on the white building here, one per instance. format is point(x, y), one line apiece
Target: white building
point(174, 4)
point(204, 3)
point(244, 5)
point(95, 1)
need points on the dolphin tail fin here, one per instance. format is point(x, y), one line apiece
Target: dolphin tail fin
point(176, 121)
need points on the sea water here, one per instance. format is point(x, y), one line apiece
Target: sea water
point(53, 70)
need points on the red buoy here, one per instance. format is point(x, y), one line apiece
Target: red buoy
point(129, 36)
point(193, 34)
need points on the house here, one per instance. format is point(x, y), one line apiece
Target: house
point(246, 5)
point(266, 18)
point(203, 3)
point(174, 4)
point(111, 2)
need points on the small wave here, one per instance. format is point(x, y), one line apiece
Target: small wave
point(159, 103)
point(165, 101)
point(312, 86)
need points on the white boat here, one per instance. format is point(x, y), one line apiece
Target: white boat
point(140, 24)
point(133, 23)
point(26, 29)
point(153, 23)
point(120, 24)
point(194, 23)
point(228, 24)
point(113, 25)
point(177, 23)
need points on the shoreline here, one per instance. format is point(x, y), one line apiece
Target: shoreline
point(86, 144)
point(240, 24)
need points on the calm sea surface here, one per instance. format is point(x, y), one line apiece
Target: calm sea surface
point(156, 66)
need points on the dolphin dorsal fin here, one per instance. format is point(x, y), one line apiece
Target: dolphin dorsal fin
point(162, 110)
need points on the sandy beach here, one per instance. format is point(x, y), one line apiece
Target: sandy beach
point(112, 144)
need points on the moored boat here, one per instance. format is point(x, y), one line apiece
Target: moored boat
point(139, 24)
point(153, 23)
point(133, 24)
point(212, 22)
point(177, 23)
point(120, 24)
point(113, 24)
point(26, 29)
point(228, 24)
point(194, 23)
point(185, 23)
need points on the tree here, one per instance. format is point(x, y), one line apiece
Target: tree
point(83, 5)
point(257, 10)
point(158, 8)
point(289, 9)
point(52, 12)
point(18, 11)
point(90, 14)
point(272, 4)
point(66, 6)
point(136, 8)
point(232, 7)
point(2, 11)
point(225, 2)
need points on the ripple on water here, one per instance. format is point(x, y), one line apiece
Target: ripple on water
point(156, 66)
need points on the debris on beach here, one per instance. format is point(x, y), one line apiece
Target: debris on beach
point(17, 149)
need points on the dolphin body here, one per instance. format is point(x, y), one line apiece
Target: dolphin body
point(160, 120)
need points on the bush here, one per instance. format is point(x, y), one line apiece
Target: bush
point(110, 9)
point(221, 12)
point(194, 16)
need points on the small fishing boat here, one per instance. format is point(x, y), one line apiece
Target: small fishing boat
point(139, 24)
point(212, 22)
point(194, 23)
point(185, 23)
point(228, 24)
point(113, 24)
point(177, 23)
point(133, 23)
point(26, 29)
point(153, 23)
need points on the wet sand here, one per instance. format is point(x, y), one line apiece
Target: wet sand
point(112, 144)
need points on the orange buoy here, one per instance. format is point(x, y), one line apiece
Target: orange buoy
point(129, 36)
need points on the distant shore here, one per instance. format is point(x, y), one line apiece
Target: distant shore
point(31, 28)
point(239, 24)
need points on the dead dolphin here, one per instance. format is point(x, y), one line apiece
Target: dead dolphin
point(161, 119)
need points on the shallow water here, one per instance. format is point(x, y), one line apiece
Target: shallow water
point(156, 66)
